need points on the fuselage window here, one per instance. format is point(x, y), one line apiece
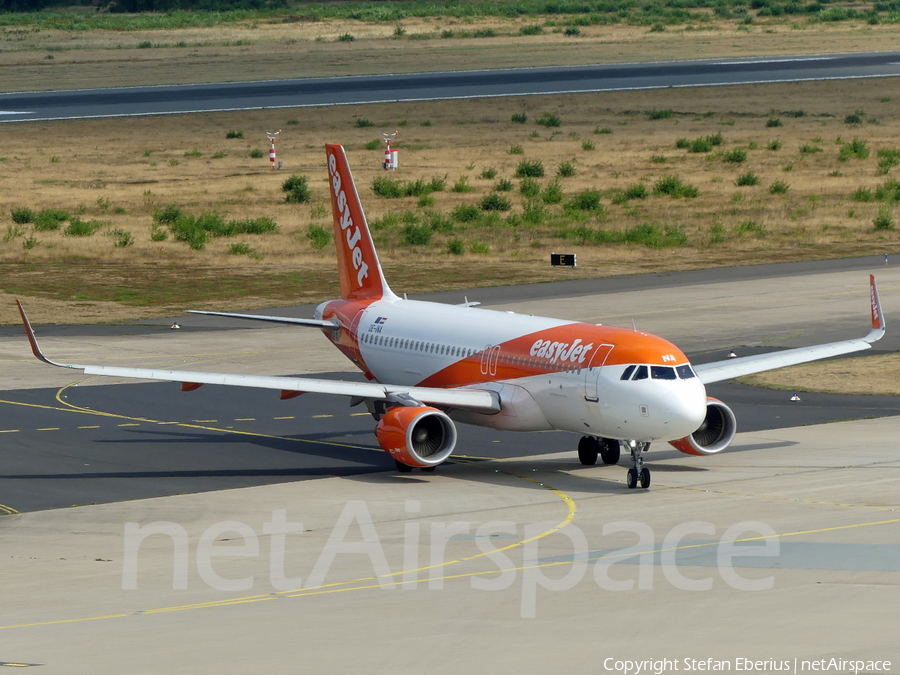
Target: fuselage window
point(640, 373)
point(662, 373)
point(628, 371)
point(685, 372)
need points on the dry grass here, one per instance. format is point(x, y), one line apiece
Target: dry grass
point(118, 171)
point(874, 375)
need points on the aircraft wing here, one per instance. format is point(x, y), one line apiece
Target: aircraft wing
point(314, 323)
point(747, 365)
point(479, 400)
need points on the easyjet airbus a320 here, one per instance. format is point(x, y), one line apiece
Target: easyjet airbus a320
point(430, 364)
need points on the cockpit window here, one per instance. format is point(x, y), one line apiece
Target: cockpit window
point(685, 372)
point(640, 373)
point(663, 373)
point(628, 371)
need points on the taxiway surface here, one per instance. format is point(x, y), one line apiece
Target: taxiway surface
point(783, 549)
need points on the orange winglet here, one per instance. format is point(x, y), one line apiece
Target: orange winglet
point(29, 332)
point(285, 394)
point(190, 386)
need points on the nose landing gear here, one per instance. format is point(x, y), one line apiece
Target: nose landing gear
point(638, 472)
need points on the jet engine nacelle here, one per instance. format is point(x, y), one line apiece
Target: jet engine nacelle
point(416, 436)
point(715, 433)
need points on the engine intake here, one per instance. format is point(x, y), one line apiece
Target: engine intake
point(416, 436)
point(715, 433)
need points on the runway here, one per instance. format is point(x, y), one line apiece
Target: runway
point(127, 101)
point(513, 558)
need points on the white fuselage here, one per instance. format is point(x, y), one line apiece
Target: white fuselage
point(572, 383)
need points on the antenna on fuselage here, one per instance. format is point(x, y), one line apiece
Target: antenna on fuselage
point(633, 325)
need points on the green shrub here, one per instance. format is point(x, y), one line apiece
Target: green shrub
point(50, 219)
point(386, 187)
point(530, 187)
point(658, 159)
point(653, 236)
point(158, 234)
point(479, 247)
point(374, 144)
point(750, 228)
point(747, 178)
point(363, 122)
point(586, 200)
point(296, 189)
point(779, 187)
point(773, 122)
point(809, 149)
point(346, 37)
point(30, 242)
point(257, 153)
point(121, 238)
point(603, 130)
point(636, 191)
point(465, 213)
point(417, 235)
point(774, 145)
point(674, 187)
point(889, 191)
point(565, 170)
point(552, 194)
point(455, 247)
point(856, 148)
point(318, 236)
point(587, 145)
point(862, 195)
point(659, 114)
point(700, 145)
point(426, 200)
point(530, 30)
point(21, 215)
point(572, 31)
point(494, 202)
point(166, 215)
point(682, 143)
point(855, 118)
point(234, 134)
point(530, 169)
point(193, 153)
point(887, 159)
point(735, 156)
point(883, 221)
point(519, 118)
point(503, 185)
point(240, 248)
point(549, 120)
point(488, 174)
point(82, 228)
point(462, 185)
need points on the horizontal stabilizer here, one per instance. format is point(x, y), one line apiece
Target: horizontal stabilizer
point(314, 323)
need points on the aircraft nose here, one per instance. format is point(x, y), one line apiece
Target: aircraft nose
point(686, 407)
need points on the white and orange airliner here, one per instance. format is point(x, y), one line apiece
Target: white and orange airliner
point(430, 364)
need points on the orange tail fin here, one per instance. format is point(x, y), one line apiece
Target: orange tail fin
point(360, 271)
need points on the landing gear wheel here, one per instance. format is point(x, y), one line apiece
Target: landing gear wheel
point(609, 451)
point(588, 449)
point(401, 467)
point(428, 468)
point(645, 478)
point(632, 479)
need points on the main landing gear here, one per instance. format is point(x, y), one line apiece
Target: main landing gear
point(589, 447)
point(638, 471)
